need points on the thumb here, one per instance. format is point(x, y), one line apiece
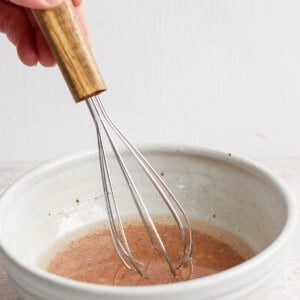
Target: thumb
point(37, 4)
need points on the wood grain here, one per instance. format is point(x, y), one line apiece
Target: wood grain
point(71, 49)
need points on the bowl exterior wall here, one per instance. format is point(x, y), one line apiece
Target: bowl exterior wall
point(252, 284)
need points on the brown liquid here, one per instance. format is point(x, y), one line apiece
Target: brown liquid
point(93, 259)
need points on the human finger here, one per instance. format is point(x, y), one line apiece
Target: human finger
point(37, 4)
point(45, 55)
point(82, 20)
point(14, 23)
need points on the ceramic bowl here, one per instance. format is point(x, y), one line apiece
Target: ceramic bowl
point(214, 187)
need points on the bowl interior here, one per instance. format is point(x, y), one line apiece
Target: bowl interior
point(54, 200)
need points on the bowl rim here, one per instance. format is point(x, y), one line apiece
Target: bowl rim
point(230, 274)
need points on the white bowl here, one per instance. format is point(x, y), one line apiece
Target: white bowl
point(215, 187)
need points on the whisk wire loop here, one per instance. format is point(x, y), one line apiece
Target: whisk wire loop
point(103, 121)
point(108, 192)
point(154, 177)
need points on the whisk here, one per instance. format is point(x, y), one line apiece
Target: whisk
point(75, 59)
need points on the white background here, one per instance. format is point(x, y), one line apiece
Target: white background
point(224, 74)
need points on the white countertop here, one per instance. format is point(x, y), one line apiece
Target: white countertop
point(287, 168)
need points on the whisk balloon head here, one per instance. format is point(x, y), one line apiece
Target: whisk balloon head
point(106, 128)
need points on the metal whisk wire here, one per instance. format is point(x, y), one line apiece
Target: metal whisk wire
point(74, 56)
point(104, 124)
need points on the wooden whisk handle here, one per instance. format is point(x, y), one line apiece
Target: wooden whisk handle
point(71, 50)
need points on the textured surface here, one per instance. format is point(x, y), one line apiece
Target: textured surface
point(71, 50)
point(8, 173)
point(92, 258)
point(288, 169)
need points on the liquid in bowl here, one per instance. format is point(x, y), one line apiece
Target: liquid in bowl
point(88, 254)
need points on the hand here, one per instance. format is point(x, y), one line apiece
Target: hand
point(20, 27)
